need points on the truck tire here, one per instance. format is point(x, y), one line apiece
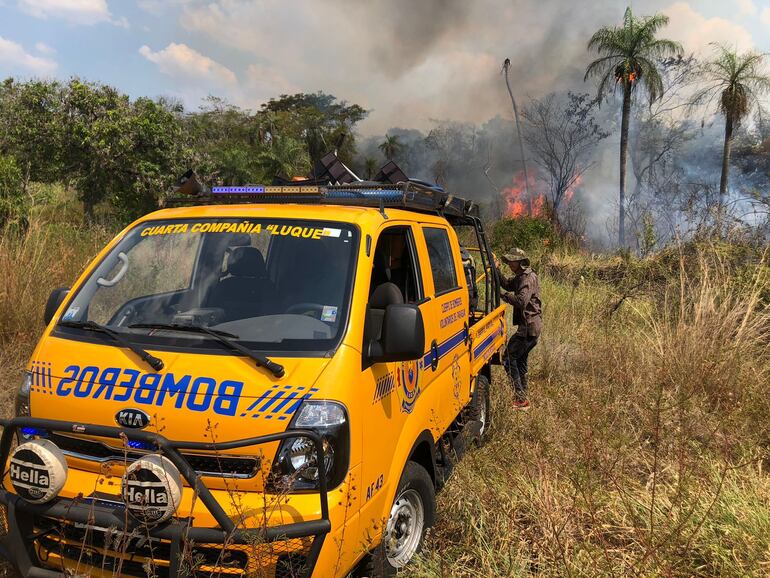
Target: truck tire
point(480, 408)
point(412, 513)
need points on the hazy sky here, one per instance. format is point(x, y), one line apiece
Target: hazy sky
point(409, 61)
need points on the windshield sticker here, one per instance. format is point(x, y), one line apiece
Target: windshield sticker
point(194, 393)
point(295, 231)
point(249, 228)
point(329, 314)
point(164, 230)
point(71, 313)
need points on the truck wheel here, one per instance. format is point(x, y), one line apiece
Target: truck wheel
point(480, 408)
point(413, 512)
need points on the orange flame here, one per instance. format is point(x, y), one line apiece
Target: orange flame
point(570, 192)
point(516, 201)
point(515, 197)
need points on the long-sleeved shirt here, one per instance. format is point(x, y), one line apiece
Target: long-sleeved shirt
point(524, 295)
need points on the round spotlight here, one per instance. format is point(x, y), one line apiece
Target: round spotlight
point(38, 470)
point(152, 489)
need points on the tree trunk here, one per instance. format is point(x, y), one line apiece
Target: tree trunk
point(521, 141)
point(626, 117)
point(723, 182)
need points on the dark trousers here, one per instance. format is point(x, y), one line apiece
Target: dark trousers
point(516, 360)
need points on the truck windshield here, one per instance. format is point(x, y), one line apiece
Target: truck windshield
point(277, 285)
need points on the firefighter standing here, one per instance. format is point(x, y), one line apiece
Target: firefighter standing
point(523, 293)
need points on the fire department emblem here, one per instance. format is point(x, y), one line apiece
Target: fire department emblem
point(456, 376)
point(409, 384)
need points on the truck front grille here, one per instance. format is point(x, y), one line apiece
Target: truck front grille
point(211, 465)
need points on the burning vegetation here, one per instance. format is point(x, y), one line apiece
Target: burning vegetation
point(540, 205)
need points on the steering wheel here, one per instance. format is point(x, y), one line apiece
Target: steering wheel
point(310, 309)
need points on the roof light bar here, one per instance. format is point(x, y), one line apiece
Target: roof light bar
point(410, 195)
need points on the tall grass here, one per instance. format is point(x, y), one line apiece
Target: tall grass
point(51, 254)
point(645, 451)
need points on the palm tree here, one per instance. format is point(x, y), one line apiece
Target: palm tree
point(370, 168)
point(628, 57)
point(284, 156)
point(738, 81)
point(391, 146)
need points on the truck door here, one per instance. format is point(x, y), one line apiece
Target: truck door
point(446, 364)
point(395, 386)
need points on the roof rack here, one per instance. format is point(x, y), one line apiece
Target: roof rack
point(410, 195)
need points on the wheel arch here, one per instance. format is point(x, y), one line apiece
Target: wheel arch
point(423, 452)
point(486, 371)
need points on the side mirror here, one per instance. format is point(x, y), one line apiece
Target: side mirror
point(54, 301)
point(403, 335)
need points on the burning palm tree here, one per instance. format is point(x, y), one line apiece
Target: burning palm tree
point(506, 68)
point(628, 56)
point(738, 81)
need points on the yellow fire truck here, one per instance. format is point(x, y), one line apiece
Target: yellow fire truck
point(259, 381)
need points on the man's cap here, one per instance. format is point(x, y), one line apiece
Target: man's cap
point(515, 254)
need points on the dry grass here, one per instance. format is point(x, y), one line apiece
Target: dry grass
point(644, 453)
point(51, 255)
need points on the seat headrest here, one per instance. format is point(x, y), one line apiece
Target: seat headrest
point(246, 262)
point(384, 295)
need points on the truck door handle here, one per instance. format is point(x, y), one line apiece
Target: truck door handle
point(434, 355)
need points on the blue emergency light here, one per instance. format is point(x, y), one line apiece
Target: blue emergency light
point(237, 190)
point(140, 445)
point(32, 432)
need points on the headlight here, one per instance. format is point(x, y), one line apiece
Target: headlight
point(22, 396)
point(22, 410)
point(296, 465)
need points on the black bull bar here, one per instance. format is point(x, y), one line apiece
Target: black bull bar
point(18, 544)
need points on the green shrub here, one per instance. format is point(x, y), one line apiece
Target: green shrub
point(523, 232)
point(13, 205)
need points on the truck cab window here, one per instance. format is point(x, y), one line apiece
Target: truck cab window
point(442, 263)
point(394, 262)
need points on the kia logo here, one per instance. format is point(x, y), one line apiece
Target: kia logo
point(133, 418)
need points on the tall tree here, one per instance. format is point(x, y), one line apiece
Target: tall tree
point(227, 141)
point(628, 58)
point(506, 69)
point(562, 132)
point(286, 157)
point(737, 80)
point(391, 147)
point(370, 168)
point(122, 152)
point(31, 128)
point(321, 121)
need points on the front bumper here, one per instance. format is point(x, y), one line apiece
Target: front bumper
point(31, 528)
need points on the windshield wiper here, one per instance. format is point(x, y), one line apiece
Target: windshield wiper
point(155, 362)
point(223, 337)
